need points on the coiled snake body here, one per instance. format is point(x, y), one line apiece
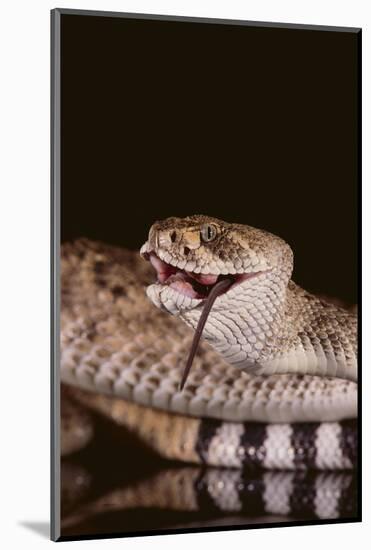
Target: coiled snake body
point(274, 379)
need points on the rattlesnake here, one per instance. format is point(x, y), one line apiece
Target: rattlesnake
point(274, 379)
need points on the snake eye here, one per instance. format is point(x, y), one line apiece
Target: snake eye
point(208, 232)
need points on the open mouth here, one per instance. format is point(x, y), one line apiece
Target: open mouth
point(205, 287)
point(188, 283)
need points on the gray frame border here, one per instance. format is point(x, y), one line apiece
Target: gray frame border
point(215, 21)
point(55, 127)
point(55, 166)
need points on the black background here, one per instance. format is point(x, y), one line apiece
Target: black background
point(250, 124)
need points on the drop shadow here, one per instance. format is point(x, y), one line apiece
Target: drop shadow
point(42, 528)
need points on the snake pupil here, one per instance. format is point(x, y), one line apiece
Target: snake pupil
point(208, 232)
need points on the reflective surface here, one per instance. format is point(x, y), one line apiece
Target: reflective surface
point(115, 485)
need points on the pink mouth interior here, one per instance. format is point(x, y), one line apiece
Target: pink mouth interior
point(193, 285)
point(206, 287)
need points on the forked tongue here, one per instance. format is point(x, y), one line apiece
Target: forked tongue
point(217, 289)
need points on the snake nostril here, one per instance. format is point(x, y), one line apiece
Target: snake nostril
point(186, 250)
point(173, 236)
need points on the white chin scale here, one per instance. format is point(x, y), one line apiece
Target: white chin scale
point(170, 300)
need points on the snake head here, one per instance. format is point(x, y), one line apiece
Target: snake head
point(190, 255)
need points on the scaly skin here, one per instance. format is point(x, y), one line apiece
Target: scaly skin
point(265, 324)
point(124, 357)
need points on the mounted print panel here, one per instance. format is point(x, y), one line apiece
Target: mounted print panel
point(205, 180)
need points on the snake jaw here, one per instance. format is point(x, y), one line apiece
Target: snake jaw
point(189, 283)
point(177, 290)
point(182, 289)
